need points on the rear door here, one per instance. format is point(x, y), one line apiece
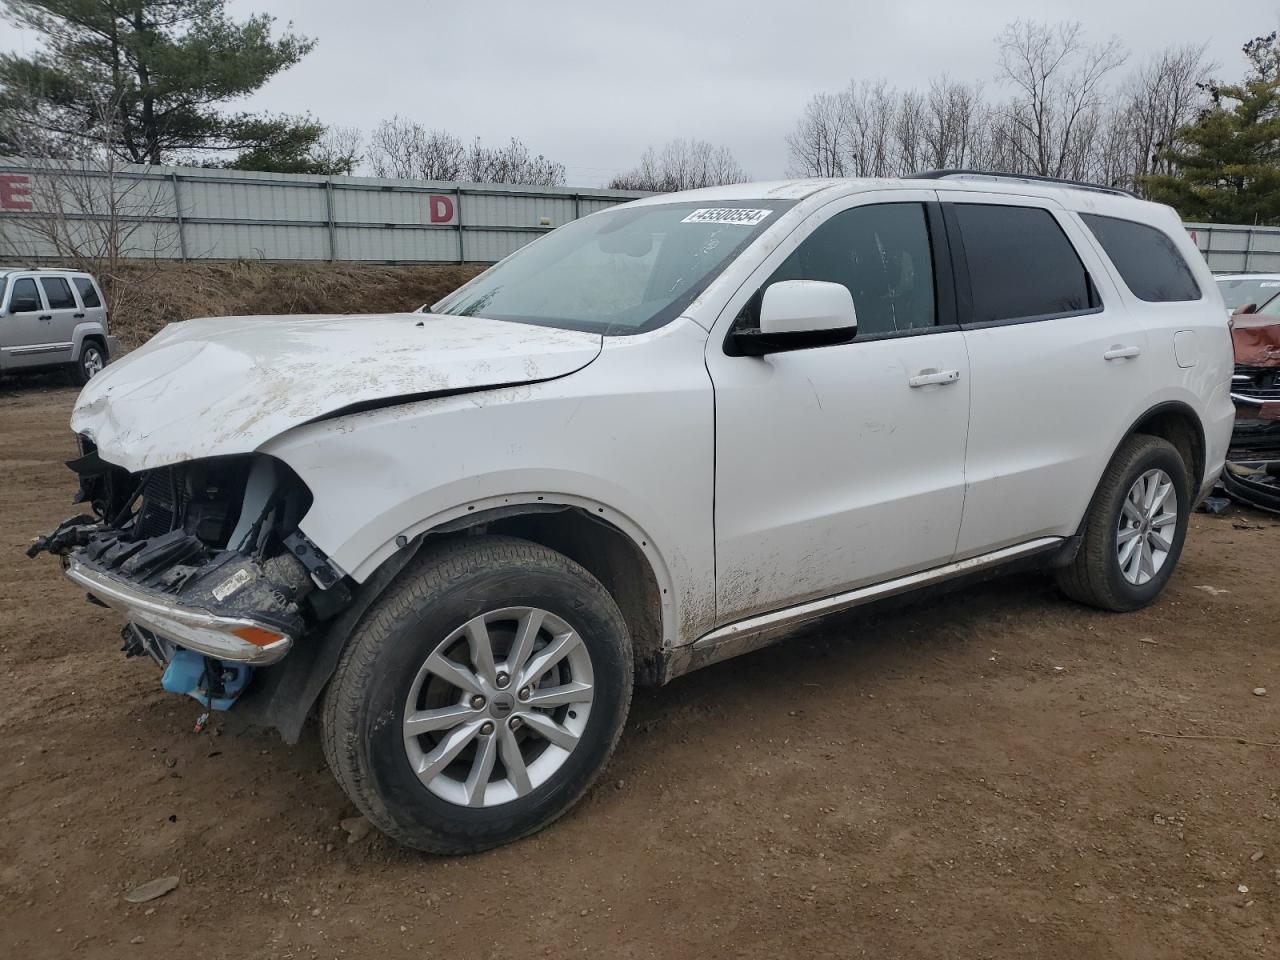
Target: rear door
point(95, 311)
point(26, 329)
point(64, 311)
point(1057, 362)
point(843, 465)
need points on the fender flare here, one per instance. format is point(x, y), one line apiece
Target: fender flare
point(284, 696)
point(1072, 545)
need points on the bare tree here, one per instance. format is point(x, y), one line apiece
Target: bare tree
point(953, 123)
point(401, 148)
point(89, 208)
point(1161, 97)
point(1057, 79)
point(512, 163)
point(681, 165)
point(340, 149)
point(819, 143)
point(870, 110)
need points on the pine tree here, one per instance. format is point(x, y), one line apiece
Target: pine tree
point(1227, 169)
point(160, 75)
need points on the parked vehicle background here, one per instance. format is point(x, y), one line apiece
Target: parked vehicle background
point(53, 318)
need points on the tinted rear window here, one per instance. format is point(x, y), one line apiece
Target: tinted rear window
point(1021, 264)
point(1151, 266)
point(58, 292)
point(87, 292)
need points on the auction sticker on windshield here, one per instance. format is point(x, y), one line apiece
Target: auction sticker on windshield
point(737, 215)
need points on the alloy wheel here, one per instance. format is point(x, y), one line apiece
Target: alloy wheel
point(1147, 525)
point(92, 362)
point(498, 707)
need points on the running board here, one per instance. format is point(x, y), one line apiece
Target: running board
point(750, 634)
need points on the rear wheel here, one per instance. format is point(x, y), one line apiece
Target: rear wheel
point(480, 697)
point(1136, 526)
point(92, 360)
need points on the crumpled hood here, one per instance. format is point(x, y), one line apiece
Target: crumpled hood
point(226, 385)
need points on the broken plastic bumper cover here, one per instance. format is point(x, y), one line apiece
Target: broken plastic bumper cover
point(237, 639)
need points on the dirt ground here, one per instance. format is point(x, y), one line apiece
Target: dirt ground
point(992, 773)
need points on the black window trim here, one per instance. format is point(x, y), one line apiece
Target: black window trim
point(944, 284)
point(964, 287)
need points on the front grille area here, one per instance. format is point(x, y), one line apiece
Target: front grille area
point(163, 501)
point(1257, 383)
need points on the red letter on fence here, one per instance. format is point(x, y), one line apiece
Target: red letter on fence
point(441, 208)
point(14, 192)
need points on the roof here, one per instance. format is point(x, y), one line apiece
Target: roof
point(1070, 195)
point(20, 269)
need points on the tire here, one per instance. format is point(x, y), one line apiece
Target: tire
point(92, 360)
point(391, 673)
point(1102, 576)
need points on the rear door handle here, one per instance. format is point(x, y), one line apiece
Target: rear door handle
point(78, 316)
point(1121, 352)
point(927, 378)
point(45, 316)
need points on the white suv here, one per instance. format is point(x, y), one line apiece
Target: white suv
point(653, 439)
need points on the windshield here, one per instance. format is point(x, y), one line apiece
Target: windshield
point(1245, 290)
point(1271, 308)
point(621, 271)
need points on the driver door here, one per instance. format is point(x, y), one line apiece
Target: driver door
point(843, 465)
point(27, 338)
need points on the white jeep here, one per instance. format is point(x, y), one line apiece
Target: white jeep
point(653, 439)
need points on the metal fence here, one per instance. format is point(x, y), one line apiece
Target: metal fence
point(1238, 249)
point(194, 213)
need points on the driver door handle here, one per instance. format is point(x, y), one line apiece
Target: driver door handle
point(927, 378)
point(45, 316)
point(1121, 352)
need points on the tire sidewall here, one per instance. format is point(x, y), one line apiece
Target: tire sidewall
point(81, 370)
point(1165, 458)
point(412, 809)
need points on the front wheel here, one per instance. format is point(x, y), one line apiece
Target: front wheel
point(1135, 529)
point(480, 696)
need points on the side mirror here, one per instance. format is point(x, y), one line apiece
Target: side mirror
point(795, 314)
point(1248, 308)
point(24, 304)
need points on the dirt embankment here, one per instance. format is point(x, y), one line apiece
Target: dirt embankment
point(993, 773)
point(144, 297)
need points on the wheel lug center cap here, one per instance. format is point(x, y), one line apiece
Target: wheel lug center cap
point(502, 705)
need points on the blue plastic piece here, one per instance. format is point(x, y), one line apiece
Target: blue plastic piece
point(186, 671)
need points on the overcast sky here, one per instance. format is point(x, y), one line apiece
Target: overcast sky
point(592, 83)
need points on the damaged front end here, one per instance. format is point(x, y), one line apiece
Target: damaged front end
point(1255, 385)
point(205, 561)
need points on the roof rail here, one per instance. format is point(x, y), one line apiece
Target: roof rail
point(1025, 177)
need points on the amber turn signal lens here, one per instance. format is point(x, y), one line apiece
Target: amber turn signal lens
point(258, 636)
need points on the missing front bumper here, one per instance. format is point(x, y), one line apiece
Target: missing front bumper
point(234, 639)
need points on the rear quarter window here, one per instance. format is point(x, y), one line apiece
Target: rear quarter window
point(88, 293)
point(1151, 266)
